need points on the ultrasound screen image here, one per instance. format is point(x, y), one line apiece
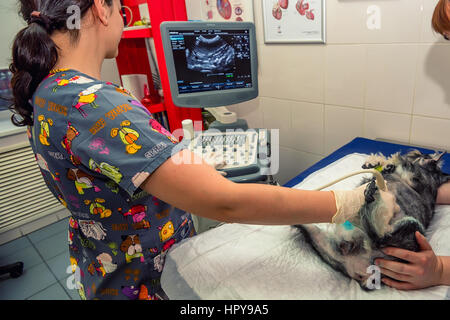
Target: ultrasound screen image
point(210, 54)
point(208, 60)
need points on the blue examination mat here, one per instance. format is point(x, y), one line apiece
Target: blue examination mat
point(365, 146)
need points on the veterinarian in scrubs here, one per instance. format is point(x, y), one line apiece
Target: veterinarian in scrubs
point(424, 269)
point(111, 164)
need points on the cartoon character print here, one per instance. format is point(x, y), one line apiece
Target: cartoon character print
point(44, 133)
point(166, 231)
point(82, 180)
point(73, 224)
point(81, 291)
point(92, 229)
point(128, 136)
point(138, 213)
point(125, 92)
point(53, 73)
point(156, 126)
point(98, 144)
point(70, 135)
point(111, 185)
point(86, 243)
point(106, 169)
point(106, 261)
point(80, 80)
point(140, 105)
point(42, 163)
point(131, 292)
point(96, 208)
point(60, 82)
point(144, 295)
point(141, 293)
point(158, 261)
point(61, 199)
point(73, 263)
point(114, 248)
point(131, 246)
point(70, 237)
point(87, 96)
point(94, 266)
point(103, 264)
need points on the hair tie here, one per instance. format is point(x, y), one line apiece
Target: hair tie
point(40, 19)
point(35, 14)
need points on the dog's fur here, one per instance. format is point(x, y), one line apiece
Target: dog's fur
point(414, 179)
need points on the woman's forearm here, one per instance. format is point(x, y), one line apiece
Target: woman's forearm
point(199, 189)
point(443, 196)
point(265, 204)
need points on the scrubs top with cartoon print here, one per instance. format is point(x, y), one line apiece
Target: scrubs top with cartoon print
point(95, 145)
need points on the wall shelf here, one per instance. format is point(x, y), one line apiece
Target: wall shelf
point(141, 33)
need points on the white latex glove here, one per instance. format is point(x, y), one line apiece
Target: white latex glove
point(216, 161)
point(348, 204)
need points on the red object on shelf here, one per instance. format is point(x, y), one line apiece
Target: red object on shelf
point(137, 33)
point(155, 108)
point(134, 59)
point(147, 99)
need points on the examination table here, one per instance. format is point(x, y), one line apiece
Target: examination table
point(237, 261)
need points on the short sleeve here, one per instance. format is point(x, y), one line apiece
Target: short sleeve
point(113, 134)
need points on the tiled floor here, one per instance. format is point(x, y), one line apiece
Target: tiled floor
point(45, 255)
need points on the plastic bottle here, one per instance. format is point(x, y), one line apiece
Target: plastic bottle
point(147, 100)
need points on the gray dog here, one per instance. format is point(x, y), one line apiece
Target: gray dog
point(414, 179)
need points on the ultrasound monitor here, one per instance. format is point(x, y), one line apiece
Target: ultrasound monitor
point(210, 64)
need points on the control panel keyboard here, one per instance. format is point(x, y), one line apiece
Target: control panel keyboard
point(240, 151)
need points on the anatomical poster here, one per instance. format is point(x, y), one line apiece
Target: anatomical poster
point(294, 21)
point(221, 10)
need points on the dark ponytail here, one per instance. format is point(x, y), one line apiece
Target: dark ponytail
point(34, 53)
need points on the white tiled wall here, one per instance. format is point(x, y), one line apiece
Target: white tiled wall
point(391, 83)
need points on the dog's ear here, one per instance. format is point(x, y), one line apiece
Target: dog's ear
point(438, 156)
point(350, 247)
point(403, 235)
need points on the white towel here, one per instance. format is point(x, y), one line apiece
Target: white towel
point(237, 261)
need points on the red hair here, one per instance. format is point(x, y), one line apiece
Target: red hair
point(441, 18)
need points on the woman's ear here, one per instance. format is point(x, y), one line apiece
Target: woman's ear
point(100, 11)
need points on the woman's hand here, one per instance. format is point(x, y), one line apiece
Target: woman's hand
point(424, 269)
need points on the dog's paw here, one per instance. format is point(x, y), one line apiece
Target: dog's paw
point(389, 168)
point(369, 192)
point(375, 161)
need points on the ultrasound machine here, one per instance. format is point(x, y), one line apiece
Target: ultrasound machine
point(213, 65)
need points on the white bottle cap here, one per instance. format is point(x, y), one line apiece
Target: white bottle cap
point(188, 129)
